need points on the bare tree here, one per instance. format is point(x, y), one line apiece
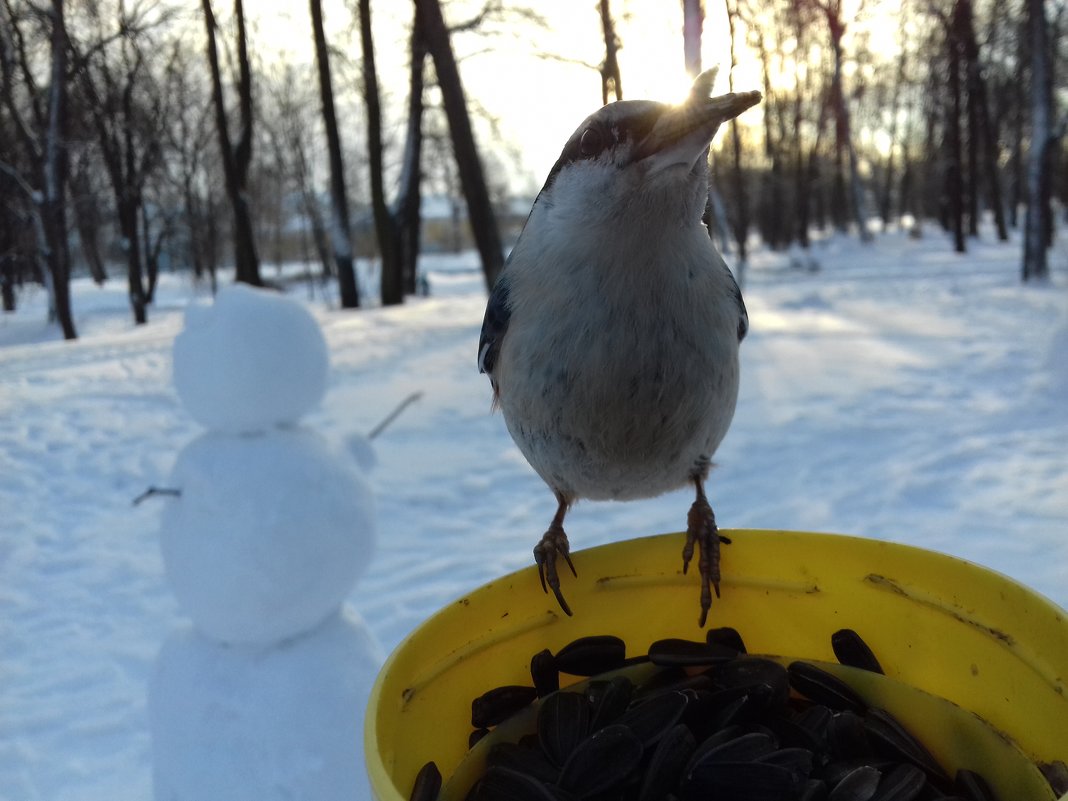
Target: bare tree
point(289, 137)
point(468, 161)
point(88, 217)
point(44, 141)
point(341, 231)
point(236, 157)
point(741, 198)
point(392, 277)
point(836, 27)
point(1043, 137)
point(611, 81)
point(406, 206)
point(192, 160)
point(900, 77)
point(693, 22)
point(953, 218)
point(129, 127)
point(981, 124)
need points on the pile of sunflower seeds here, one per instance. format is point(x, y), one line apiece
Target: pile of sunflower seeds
point(710, 722)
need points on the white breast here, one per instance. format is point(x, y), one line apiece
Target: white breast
point(619, 370)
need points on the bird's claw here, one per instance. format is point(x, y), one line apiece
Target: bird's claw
point(553, 544)
point(701, 530)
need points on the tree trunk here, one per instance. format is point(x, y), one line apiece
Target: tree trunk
point(340, 230)
point(87, 219)
point(987, 130)
point(886, 201)
point(152, 247)
point(54, 205)
point(8, 252)
point(133, 201)
point(856, 190)
point(131, 246)
point(971, 180)
point(235, 158)
point(468, 163)
point(7, 284)
point(406, 208)
point(905, 202)
point(812, 173)
point(611, 82)
point(954, 205)
point(693, 21)
point(741, 219)
point(392, 277)
point(1035, 264)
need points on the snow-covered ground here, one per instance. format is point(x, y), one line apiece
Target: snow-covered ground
point(900, 392)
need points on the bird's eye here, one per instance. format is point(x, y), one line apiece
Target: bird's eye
point(591, 143)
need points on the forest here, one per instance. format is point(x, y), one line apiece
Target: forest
point(146, 135)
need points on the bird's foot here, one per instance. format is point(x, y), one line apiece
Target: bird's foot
point(553, 544)
point(701, 529)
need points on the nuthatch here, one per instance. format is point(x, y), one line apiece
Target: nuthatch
point(611, 336)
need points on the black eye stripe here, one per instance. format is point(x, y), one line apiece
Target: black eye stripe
point(628, 121)
point(591, 142)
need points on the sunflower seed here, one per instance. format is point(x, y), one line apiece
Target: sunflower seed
point(544, 673)
point(823, 688)
point(502, 784)
point(608, 700)
point(601, 761)
point(651, 719)
point(886, 734)
point(903, 783)
point(727, 636)
point(753, 781)
point(851, 650)
point(588, 656)
point(859, 784)
point(973, 786)
point(667, 762)
point(752, 671)
point(530, 761)
point(688, 653)
point(563, 722)
point(747, 748)
point(427, 783)
point(847, 736)
point(499, 704)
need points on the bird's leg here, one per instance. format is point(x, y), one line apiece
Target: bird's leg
point(554, 543)
point(701, 528)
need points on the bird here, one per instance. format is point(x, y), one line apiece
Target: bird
point(611, 335)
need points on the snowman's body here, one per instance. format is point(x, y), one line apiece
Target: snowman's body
point(269, 534)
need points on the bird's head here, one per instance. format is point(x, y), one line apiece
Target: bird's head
point(641, 154)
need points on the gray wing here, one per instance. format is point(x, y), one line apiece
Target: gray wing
point(736, 294)
point(743, 315)
point(494, 327)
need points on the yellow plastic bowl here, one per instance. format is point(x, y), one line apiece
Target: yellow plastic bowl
point(942, 625)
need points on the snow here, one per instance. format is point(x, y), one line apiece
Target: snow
point(206, 698)
point(227, 358)
point(898, 392)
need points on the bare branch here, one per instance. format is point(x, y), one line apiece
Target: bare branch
point(16, 176)
point(566, 60)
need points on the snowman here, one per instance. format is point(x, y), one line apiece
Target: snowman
point(263, 696)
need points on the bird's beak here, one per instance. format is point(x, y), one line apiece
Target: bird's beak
point(683, 132)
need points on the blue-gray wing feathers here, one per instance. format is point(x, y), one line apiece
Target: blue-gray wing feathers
point(494, 326)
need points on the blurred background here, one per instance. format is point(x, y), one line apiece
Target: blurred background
point(139, 136)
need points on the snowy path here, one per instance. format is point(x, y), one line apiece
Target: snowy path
point(899, 393)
